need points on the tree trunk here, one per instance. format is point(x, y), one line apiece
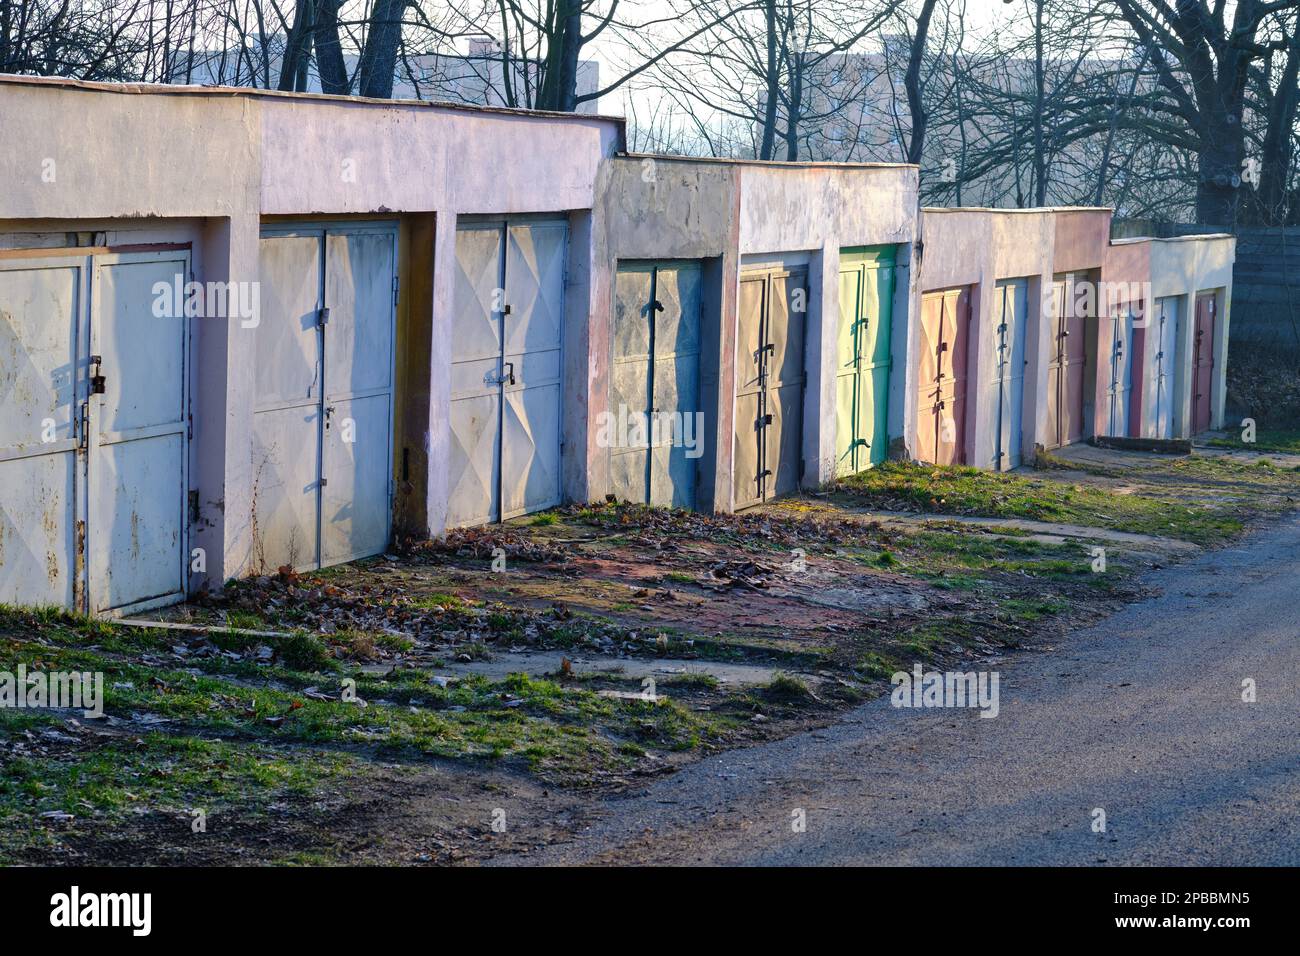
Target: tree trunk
point(1275, 161)
point(570, 47)
point(329, 52)
point(379, 56)
point(1220, 178)
point(795, 111)
point(772, 78)
point(1040, 158)
point(912, 84)
point(295, 47)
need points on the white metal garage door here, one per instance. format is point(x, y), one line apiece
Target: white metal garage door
point(93, 431)
point(322, 453)
point(655, 382)
point(506, 370)
point(1165, 364)
point(1009, 336)
point(1120, 388)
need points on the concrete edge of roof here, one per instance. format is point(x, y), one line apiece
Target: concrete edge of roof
point(1196, 237)
point(171, 89)
point(770, 163)
point(930, 210)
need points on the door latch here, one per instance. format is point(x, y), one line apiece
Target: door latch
point(508, 376)
point(97, 379)
point(323, 317)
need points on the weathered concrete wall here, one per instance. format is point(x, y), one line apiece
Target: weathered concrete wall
point(979, 248)
point(1082, 237)
point(1177, 268)
point(820, 209)
point(1184, 267)
point(664, 207)
point(734, 214)
point(81, 158)
point(1127, 272)
point(325, 157)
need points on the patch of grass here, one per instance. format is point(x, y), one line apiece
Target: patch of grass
point(1280, 440)
point(563, 733)
point(692, 680)
point(681, 577)
point(876, 665)
point(301, 651)
point(960, 490)
point(1032, 610)
point(439, 600)
point(543, 520)
point(787, 688)
point(245, 621)
point(113, 785)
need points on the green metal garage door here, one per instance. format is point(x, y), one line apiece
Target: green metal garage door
point(862, 379)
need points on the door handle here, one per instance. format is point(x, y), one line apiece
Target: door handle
point(97, 380)
point(511, 376)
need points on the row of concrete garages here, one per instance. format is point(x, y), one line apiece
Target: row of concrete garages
point(242, 331)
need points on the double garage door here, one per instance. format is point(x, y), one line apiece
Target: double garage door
point(1068, 362)
point(1203, 360)
point(769, 384)
point(1162, 332)
point(1012, 304)
point(941, 376)
point(864, 358)
point(323, 412)
point(93, 430)
point(655, 419)
point(1120, 334)
point(507, 370)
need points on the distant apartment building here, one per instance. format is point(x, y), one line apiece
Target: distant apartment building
point(855, 109)
point(479, 77)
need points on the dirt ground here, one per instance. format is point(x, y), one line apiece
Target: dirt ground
point(454, 698)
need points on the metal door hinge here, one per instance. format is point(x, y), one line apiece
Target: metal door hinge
point(396, 285)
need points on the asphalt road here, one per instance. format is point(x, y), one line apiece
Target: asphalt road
point(1141, 716)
